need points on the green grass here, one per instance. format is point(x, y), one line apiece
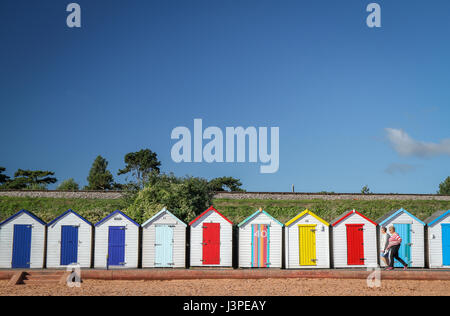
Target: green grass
point(236, 210)
point(49, 208)
point(283, 210)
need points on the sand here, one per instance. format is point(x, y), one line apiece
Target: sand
point(265, 287)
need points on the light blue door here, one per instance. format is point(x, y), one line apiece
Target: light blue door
point(404, 231)
point(164, 246)
point(446, 244)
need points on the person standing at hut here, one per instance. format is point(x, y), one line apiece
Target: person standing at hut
point(394, 245)
point(384, 245)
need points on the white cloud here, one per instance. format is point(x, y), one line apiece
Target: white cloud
point(404, 145)
point(394, 168)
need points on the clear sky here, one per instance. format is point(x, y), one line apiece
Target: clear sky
point(355, 105)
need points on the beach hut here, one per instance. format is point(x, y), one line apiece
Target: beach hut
point(116, 242)
point(211, 240)
point(22, 241)
point(439, 239)
point(260, 241)
point(164, 241)
point(69, 241)
point(354, 241)
point(307, 242)
point(412, 231)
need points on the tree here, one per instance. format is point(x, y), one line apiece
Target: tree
point(68, 185)
point(141, 164)
point(3, 177)
point(226, 184)
point(365, 190)
point(186, 197)
point(444, 187)
point(31, 179)
point(99, 177)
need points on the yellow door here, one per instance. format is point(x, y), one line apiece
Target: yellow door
point(307, 245)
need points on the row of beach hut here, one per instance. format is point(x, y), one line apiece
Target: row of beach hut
point(350, 241)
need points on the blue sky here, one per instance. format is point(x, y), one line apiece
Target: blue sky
point(355, 105)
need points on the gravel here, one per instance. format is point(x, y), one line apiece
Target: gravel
point(265, 287)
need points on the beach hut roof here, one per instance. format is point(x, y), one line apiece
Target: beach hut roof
point(115, 213)
point(66, 213)
point(22, 212)
point(345, 215)
point(208, 210)
point(437, 216)
point(387, 217)
point(306, 212)
point(164, 210)
point(255, 214)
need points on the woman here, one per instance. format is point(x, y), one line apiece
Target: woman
point(394, 245)
point(384, 244)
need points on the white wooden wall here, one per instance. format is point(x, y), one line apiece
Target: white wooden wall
point(292, 251)
point(84, 241)
point(417, 239)
point(435, 243)
point(226, 240)
point(37, 241)
point(340, 242)
point(275, 241)
point(179, 245)
point(131, 243)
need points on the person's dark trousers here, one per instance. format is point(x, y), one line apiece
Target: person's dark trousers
point(394, 255)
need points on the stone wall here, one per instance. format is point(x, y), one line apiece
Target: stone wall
point(65, 194)
point(234, 196)
point(338, 196)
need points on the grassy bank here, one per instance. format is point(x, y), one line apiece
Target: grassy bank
point(49, 208)
point(236, 210)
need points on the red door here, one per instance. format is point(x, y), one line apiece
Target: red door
point(355, 244)
point(211, 243)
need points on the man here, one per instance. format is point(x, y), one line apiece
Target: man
point(384, 244)
point(394, 245)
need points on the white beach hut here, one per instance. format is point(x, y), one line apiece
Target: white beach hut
point(211, 240)
point(354, 241)
point(164, 241)
point(22, 241)
point(439, 239)
point(260, 241)
point(116, 242)
point(412, 231)
point(69, 241)
point(307, 242)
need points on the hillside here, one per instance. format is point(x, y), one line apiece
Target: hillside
point(236, 210)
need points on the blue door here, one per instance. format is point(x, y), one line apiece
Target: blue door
point(164, 246)
point(116, 246)
point(21, 246)
point(404, 231)
point(69, 245)
point(446, 244)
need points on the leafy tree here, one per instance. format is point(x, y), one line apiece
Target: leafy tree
point(31, 179)
point(444, 187)
point(141, 164)
point(186, 197)
point(365, 190)
point(99, 177)
point(226, 184)
point(3, 177)
point(68, 185)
